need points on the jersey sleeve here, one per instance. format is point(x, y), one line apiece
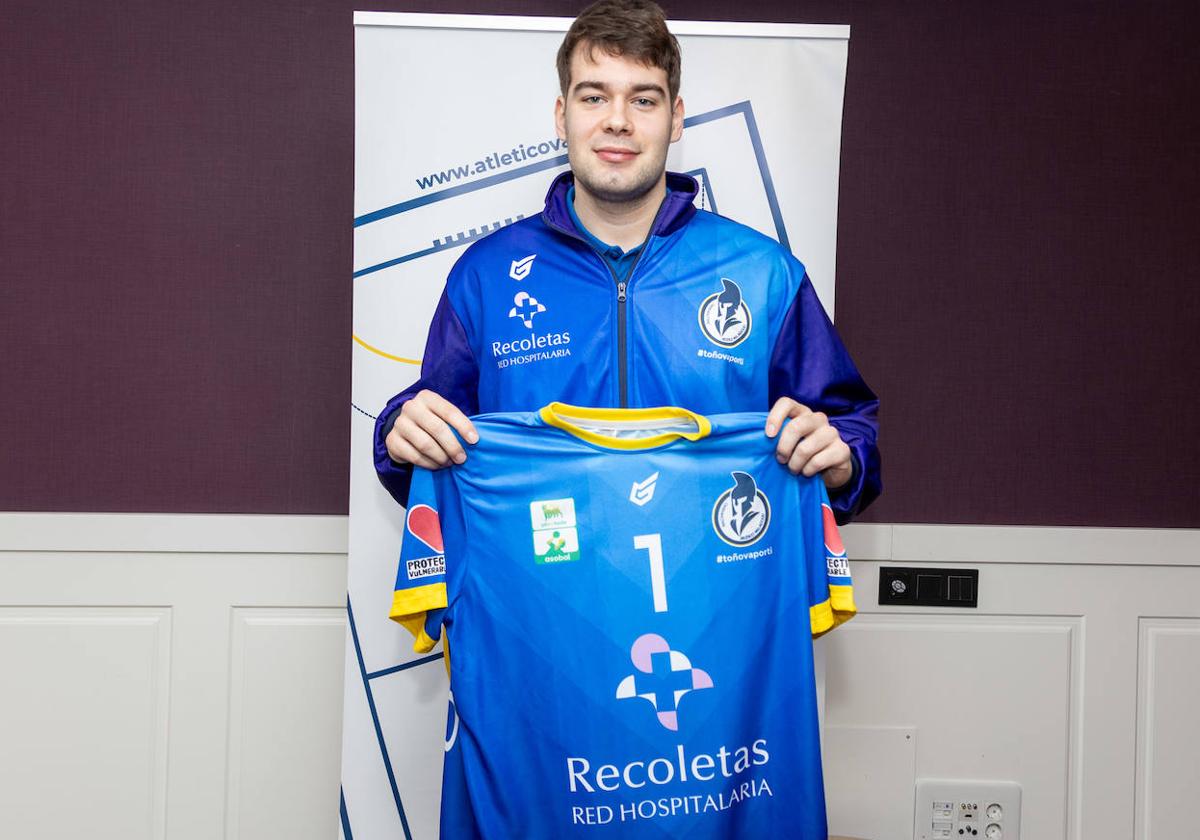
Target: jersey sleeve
point(419, 597)
point(831, 591)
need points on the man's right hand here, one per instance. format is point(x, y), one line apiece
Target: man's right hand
point(421, 434)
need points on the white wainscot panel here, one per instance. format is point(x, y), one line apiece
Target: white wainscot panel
point(83, 737)
point(285, 708)
point(990, 697)
point(1168, 728)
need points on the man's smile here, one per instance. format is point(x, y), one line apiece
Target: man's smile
point(615, 154)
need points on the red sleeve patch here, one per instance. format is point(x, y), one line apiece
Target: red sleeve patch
point(833, 539)
point(423, 524)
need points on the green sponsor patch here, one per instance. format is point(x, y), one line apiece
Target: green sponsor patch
point(555, 536)
point(558, 545)
point(552, 513)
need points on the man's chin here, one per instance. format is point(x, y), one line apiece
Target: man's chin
point(617, 190)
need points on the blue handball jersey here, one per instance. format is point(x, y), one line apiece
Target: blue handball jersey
point(624, 595)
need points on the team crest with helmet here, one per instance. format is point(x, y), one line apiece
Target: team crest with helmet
point(742, 513)
point(724, 316)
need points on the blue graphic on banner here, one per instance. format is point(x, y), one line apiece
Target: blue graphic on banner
point(743, 109)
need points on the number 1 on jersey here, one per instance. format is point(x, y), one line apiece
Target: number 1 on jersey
point(658, 579)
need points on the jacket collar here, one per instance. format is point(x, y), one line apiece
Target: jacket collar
point(677, 208)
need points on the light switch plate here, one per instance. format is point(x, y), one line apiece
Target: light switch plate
point(967, 809)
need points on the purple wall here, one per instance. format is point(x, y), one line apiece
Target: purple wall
point(1018, 218)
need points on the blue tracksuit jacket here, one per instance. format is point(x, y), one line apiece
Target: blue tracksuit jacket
point(712, 316)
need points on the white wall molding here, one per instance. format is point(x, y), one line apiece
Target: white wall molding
point(174, 532)
point(1168, 656)
point(974, 544)
point(265, 533)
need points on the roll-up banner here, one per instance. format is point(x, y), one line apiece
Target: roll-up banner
point(454, 138)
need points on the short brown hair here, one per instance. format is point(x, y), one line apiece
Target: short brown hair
point(636, 29)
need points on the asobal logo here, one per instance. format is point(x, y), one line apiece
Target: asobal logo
point(724, 316)
point(663, 677)
point(520, 268)
point(742, 513)
point(555, 531)
point(525, 306)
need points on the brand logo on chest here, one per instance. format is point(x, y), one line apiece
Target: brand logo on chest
point(520, 268)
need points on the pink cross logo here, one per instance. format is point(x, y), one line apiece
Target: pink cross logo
point(663, 676)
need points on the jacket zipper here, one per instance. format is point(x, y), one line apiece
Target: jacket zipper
point(622, 299)
point(622, 342)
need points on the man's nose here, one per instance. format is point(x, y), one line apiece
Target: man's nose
point(617, 118)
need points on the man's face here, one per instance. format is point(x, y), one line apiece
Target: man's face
point(618, 121)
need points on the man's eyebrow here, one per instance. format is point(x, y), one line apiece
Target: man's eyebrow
point(645, 87)
point(588, 83)
point(649, 87)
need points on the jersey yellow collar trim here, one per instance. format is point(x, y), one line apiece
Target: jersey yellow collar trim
point(561, 415)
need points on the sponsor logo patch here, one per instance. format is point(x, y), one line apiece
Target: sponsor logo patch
point(424, 567)
point(724, 317)
point(525, 306)
point(835, 552)
point(662, 678)
point(533, 348)
point(555, 531)
point(423, 524)
point(742, 513)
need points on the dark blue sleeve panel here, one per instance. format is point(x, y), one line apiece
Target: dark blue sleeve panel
point(810, 364)
point(449, 369)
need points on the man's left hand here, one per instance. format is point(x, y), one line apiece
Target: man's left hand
point(808, 444)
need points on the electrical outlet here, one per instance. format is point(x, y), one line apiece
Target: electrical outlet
point(961, 809)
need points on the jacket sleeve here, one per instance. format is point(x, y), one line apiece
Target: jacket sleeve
point(810, 364)
point(448, 368)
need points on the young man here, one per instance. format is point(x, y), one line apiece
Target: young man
point(622, 294)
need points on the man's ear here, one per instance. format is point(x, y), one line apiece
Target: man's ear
point(560, 118)
point(677, 119)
